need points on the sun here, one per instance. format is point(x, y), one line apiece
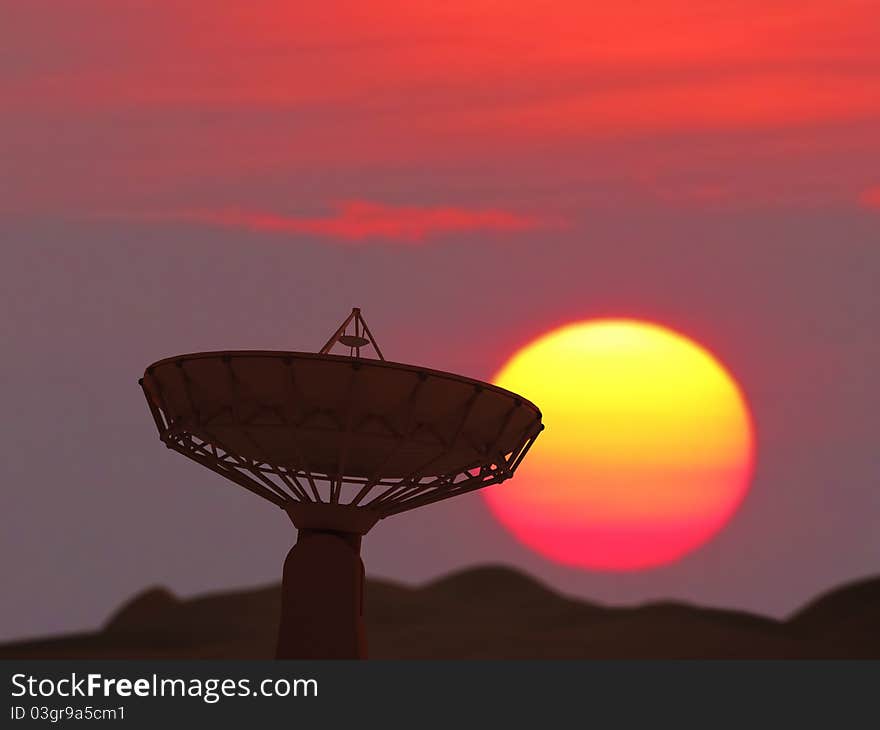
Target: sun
point(648, 449)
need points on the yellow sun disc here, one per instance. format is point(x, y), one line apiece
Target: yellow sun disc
point(647, 453)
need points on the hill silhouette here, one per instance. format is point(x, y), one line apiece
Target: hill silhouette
point(488, 612)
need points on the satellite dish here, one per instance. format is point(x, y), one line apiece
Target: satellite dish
point(339, 441)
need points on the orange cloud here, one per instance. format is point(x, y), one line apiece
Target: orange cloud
point(359, 220)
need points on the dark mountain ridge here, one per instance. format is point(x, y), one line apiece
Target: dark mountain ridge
point(482, 613)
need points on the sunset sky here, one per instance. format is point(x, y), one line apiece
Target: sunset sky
point(196, 175)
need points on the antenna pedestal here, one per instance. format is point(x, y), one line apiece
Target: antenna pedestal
point(322, 598)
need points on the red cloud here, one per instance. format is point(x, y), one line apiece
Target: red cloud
point(870, 198)
point(358, 220)
point(116, 103)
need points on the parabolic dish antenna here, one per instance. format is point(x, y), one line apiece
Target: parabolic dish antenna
point(339, 441)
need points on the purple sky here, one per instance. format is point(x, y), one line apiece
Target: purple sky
point(188, 176)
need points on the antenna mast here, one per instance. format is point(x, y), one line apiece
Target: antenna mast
point(356, 341)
